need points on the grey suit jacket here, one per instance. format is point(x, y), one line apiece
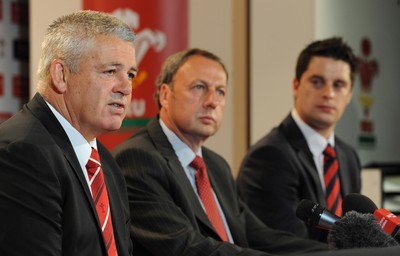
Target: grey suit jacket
point(45, 203)
point(278, 171)
point(167, 218)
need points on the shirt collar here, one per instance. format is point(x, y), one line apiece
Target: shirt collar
point(81, 146)
point(182, 150)
point(316, 142)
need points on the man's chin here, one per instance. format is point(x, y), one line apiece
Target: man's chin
point(113, 127)
point(209, 132)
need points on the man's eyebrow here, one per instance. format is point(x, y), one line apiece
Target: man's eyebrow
point(134, 68)
point(340, 81)
point(117, 64)
point(316, 76)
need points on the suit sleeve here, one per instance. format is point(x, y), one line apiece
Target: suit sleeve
point(270, 184)
point(30, 203)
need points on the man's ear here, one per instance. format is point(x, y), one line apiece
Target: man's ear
point(163, 96)
point(296, 84)
point(58, 74)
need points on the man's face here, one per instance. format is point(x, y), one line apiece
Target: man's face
point(193, 107)
point(99, 95)
point(323, 92)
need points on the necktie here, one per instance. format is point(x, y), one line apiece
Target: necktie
point(207, 197)
point(332, 181)
point(100, 198)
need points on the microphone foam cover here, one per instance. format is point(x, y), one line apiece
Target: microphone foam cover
point(359, 203)
point(358, 230)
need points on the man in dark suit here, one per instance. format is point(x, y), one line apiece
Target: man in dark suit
point(169, 216)
point(50, 204)
point(286, 165)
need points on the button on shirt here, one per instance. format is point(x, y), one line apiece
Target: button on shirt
point(316, 143)
point(186, 156)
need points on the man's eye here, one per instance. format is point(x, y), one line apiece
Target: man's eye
point(199, 86)
point(110, 72)
point(131, 76)
point(317, 82)
point(221, 92)
point(338, 85)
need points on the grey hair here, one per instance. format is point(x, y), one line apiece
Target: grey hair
point(69, 37)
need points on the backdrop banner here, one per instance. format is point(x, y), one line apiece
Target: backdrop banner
point(161, 29)
point(14, 56)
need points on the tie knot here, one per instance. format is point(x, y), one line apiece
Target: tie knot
point(94, 159)
point(197, 163)
point(330, 151)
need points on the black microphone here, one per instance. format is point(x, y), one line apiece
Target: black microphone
point(389, 222)
point(359, 203)
point(315, 215)
point(358, 230)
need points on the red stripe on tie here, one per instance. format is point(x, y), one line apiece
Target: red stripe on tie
point(100, 199)
point(332, 181)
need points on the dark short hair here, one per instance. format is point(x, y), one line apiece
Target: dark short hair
point(334, 48)
point(175, 61)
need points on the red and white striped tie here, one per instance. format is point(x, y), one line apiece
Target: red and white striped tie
point(100, 198)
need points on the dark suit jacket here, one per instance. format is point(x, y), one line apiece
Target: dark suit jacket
point(279, 170)
point(167, 218)
point(45, 203)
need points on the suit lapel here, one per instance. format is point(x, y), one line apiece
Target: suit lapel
point(176, 168)
point(224, 187)
point(310, 168)
point(294, 136)
point(114, 199)
point(165, 148)
point(223, 194)
point(39, 108)
point(75, 166)
point(343, 170)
